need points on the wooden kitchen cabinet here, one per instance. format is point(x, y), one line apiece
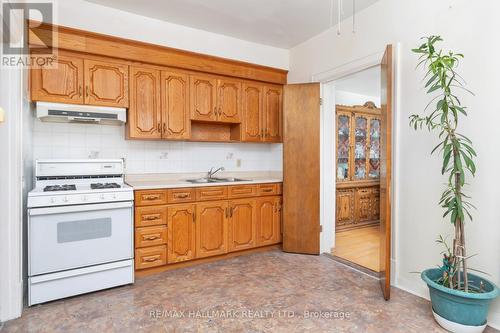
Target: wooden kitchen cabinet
point(268, 220)
point(150, 236)
point(144, 118)
point(211, 228)
point(182, 233)
point(150, 215)
point(229, 100)
point(106, 83)
point(150, 257)
point(60, 83)
point(345, 207)
point(253, 112)
point(363, 202)
point(203, 92)
point(175, 105)
point(273, 106)
point(242, 224)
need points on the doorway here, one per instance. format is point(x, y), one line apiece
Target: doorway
point(357, 168)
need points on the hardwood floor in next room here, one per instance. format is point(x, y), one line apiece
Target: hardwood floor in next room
point(263, 292)
point(360, 246)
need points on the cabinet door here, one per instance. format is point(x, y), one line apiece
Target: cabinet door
point(61, 83)
point(374, 148)
point(144, 113)
point(253, 105)
point(363, 205)
point(360, 146)
point(106, 83)
point(203, 90)
point(268, 221)
point(175, 105)
point(344, 125)
point(345, 207)
point(242, 224)
point(273, 106)
point(211, 228)
point(229, 101)
point(375, 206)
point(181, 233)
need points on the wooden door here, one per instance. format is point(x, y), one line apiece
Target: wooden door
point(386, 171)
point(268, 221)
point(242, 224)
point(144, 113)
point(252, 105)
point(175, 105)
point(363, 205)
point(181, 233)
point(301, 168)
point(345, 207)
point(106, 83)
point(211, 228)
point(203, 92)
point(229, 100)
point(273, 105)
point(61, 83)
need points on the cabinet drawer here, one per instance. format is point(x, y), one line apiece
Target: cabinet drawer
point(150, 257)
point(149, 216)
point(268, 189)
point(150, 236)
point(363, 191)
point(150, 197)
point(280, 188)
point(242, 191)
point(211, 193)
point(179, 195)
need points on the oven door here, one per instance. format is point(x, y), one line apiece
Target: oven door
point(62, 238)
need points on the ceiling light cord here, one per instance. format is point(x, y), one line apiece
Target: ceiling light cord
point(340, 9)
point(353, 16)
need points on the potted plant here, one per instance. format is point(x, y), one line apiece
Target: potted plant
point(460, 300)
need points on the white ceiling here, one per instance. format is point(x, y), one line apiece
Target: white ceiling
point(280, 23)
point(366, 82)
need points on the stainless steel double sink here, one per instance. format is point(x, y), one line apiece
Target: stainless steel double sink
point(216, 180)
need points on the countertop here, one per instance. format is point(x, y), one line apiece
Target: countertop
point(179, 180)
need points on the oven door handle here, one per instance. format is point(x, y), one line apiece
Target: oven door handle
point(79, 208)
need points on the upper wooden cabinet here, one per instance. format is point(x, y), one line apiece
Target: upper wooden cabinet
point(215, 99)
point(273, 106)
point(203, 97)
point(175, 105)
point(253, 111)
point(106, 83)
point(144, 114)
point(60, 83)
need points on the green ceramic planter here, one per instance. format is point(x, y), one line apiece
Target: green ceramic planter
point(458, 306)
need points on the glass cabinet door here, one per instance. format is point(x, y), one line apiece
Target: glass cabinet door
point(374, 151)
point(360, 147)
point(343, 143)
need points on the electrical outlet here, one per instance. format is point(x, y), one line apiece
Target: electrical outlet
point(94, 154)
point(163, 155)
point(238, 163)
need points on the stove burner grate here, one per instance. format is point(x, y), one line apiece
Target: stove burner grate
point(53, 188)
point(99, 186)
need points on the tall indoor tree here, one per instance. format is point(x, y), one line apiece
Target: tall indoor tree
point(456, 149)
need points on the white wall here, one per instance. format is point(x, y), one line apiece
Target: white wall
point(92, 17)
point(350, 98)
point(470, 27)
point(60, 140)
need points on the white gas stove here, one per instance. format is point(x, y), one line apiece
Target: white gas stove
point(80, 228)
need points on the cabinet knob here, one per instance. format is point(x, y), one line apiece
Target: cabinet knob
point(159, 128)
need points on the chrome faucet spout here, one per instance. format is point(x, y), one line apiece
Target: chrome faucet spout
point(212, 172)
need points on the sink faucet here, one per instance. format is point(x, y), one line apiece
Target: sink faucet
point(212, 172)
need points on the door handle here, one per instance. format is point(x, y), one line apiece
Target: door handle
point(181, 196)
point(80, 91)
point(87, 91)
point(152, 238)
point(151, 218)
point(164, 128)
point(151, 259)
point(231, 210)
point(159, 128)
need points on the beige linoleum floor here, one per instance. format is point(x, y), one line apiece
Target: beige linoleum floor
point(265, 292)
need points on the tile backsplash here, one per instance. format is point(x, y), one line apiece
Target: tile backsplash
point(71, 140)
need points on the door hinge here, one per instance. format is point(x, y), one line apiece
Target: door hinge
point(320, 228)
point(321, 101)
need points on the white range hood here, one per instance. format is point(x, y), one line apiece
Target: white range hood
point(58, 112)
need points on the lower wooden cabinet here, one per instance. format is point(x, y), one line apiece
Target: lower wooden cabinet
point(242, 224)
point(211, 228)
point(182, 235)
point(268, 220)
point(177, 225)
point(357, 206)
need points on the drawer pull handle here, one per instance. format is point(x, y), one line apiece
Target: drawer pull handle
point(267, 190)
point(152, 238)
point(151, 197)
point(151, 259)
point(182, 196)
point(151, 218)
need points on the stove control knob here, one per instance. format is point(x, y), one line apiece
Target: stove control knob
point(102, 196)
point(85, 198)
point(65, 199)
point(52, 200)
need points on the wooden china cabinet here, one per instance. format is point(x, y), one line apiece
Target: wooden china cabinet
point(357, 165)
